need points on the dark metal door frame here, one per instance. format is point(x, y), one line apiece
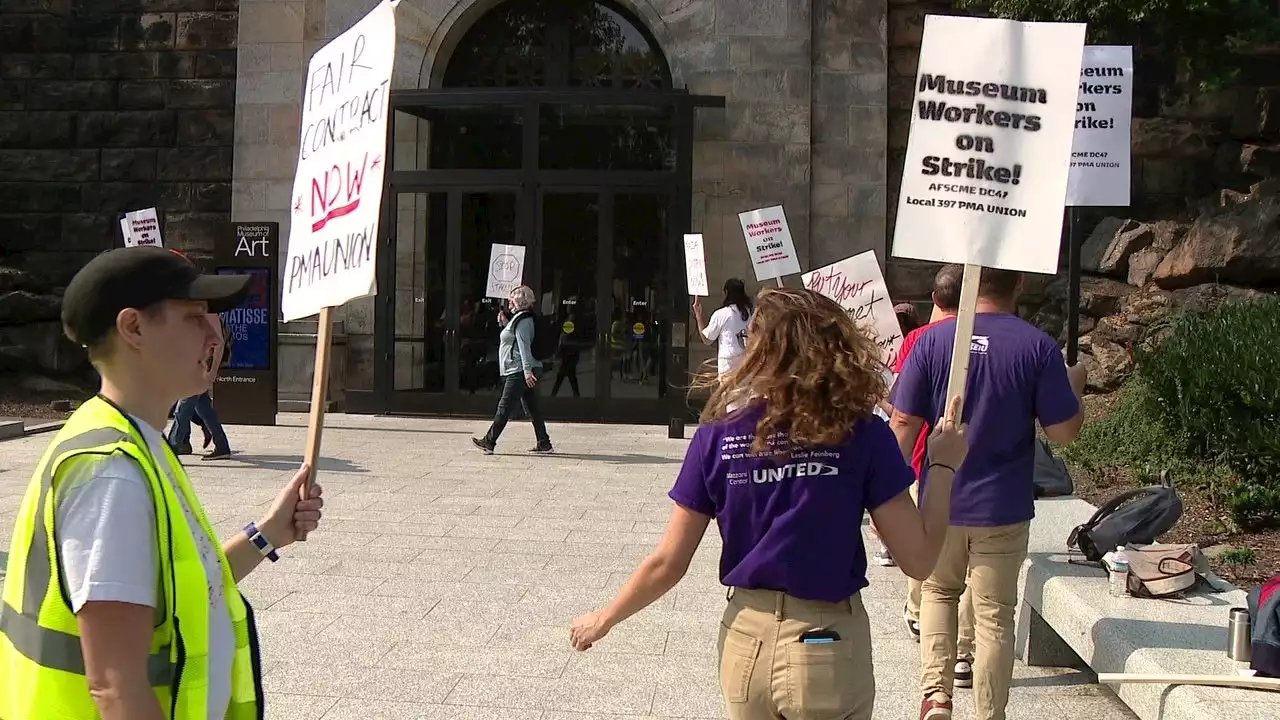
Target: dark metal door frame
point(530, 184)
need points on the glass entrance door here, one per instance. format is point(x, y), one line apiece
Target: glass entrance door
point(597, 260)
point(445, 352)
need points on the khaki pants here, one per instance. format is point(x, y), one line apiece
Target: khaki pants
point(991, 557)
point(964, 635)
point(964, 646)
point(766, 673)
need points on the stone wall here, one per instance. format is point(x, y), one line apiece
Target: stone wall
point(105, 108)
point(804, 123)
point(102, 112)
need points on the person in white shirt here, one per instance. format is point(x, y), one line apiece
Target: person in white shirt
point(727, 327)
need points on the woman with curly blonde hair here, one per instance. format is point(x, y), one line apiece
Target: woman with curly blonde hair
point(788, 477)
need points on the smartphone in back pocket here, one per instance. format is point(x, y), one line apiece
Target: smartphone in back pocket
point(820, 636)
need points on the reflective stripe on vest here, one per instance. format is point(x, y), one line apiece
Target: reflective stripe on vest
point(46, 647)
point(42, 673)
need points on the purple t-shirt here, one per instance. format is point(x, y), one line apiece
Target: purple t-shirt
point(794, 523)
point(1016, 376)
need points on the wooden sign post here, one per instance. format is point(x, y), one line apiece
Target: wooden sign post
point(965, 318)
point(337, 190)
point(319, 398)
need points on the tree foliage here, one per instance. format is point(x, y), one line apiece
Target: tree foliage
point(1190, 43)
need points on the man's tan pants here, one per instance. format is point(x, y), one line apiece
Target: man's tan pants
point(991, 558)
point(964, 646)
point(766, 673)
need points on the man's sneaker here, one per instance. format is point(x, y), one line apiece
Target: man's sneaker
point(541, 449)
point(964, 672)
point(913, 624)
point(937, 707)
point(485, 447)
point(181, 450)
point(217, 454)
point(883, 558)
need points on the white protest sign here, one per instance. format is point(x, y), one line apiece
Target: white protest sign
point(773, 254)
point(506, 268)
point(1100, 155)
point(858, 286)
point(695, 266)
point(337, 188)
point(985, 177)
point(141, 228)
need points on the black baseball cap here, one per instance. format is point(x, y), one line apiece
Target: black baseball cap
point(139, 277)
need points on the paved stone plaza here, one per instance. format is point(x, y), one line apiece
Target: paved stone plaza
point(442, 582)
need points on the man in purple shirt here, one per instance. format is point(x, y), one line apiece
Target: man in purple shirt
point(1016, 377)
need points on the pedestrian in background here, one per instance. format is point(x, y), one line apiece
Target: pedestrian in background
point(520, 372)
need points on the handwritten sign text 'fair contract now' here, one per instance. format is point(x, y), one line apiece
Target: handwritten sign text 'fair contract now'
point(337, 191)
point(858, 286)
point(141, 228)
point(695, 265)
point(773, 254)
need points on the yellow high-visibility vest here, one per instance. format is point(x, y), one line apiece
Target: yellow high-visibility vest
point(42, 674)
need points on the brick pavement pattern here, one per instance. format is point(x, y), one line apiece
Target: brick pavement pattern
point(442, 582)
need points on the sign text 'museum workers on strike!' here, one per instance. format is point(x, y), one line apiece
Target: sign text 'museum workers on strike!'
point(337, 191)
point(985, 172)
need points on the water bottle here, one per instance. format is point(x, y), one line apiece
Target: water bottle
point(1119, 573)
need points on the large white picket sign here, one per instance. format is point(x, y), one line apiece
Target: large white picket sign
point(773, 254)
point(695, 265)
point(985, 176)
point(337, 191)
point(506, 271)
point(1101, 150)
point(858, 286)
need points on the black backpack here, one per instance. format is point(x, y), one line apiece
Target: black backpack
point(1051, 478)
point(546, 339)
point(1138, 517)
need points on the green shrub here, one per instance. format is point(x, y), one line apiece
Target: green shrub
point(1213, 385)
point(1238, 556)
point(1130, 442)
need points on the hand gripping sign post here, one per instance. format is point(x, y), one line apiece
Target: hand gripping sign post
point(506, 269)
point(857, 285)
point(985, 176)
point(695, 266)
point(337, 190)
point(773, 254)
point(1100, 156)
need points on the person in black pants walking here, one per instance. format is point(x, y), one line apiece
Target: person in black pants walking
point(569, 354)
point(520, 372)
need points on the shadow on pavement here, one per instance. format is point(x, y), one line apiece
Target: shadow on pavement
point(285, 462)
point(629, 459)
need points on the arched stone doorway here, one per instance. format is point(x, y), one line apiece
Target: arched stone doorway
point(553, 127)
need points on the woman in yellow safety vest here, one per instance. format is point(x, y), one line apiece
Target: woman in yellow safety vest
point(118, 601)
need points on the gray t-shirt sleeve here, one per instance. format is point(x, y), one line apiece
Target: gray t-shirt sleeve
point(105, 527)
